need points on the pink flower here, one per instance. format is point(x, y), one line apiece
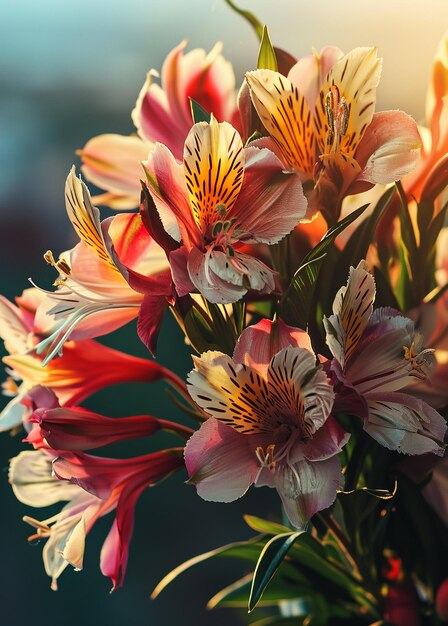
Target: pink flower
point(162, 113)
point(95, 293)
point(222, 196)
point(377, 354)
point(269, 422)
point(93, 487)
point(323, 126)
point(85, 366)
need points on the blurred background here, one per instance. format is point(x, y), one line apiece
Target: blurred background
point(71, 70)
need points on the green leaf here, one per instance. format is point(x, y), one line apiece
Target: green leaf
point(250, 17)
point(199, 331)
point(280, 589)
point(270, 559)
point(266, 56)
point(198, 113)
point(295, 304)
point(247, 550)
point(265, 526)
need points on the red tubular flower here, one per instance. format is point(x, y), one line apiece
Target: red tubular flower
point(78, 429)
point(119, 482)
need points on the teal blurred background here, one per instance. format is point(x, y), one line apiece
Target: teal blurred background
point(71, 70)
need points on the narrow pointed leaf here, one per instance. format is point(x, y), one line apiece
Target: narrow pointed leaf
point(198, 113)
point(247, 550)
point(270, 559)
point(266, 56)
point(265, 526)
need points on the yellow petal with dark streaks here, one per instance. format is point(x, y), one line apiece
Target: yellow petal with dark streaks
point(285, 114)
point(214, 169)
point(356, 77)
point(235, 394)
point(85, 217)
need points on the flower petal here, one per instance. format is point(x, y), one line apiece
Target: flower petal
point(271, 202)
point(286, 116)
point(401, 422)
point(258, 344)
point(355, 76)
point(352, 308)
point(213, 168)
point(220, 462)
point(389, 148)
point(113, 162)
point(309, 73)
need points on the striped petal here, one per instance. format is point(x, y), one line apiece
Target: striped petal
point(235, 394)
point(352, 308)
point(287, 118)
point(348, 97)
point(85, 217)
point(213, 167)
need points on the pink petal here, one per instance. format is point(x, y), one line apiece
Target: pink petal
point(208, 283)
point(389, 148)
point(326, 442)
point(179, 271)
point(401, 422)
point(169, 192)
point(150, 320)
point(305, 488)
point(221, 462)
point(259, 343)
point(309, 73)
point(271, 202)
point(113, 162)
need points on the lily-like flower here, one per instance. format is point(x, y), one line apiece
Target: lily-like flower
point(376, 355)
point(221, 197)
point(85, 366)
point(40, 478)
point(94, 294)
point(76, 428)
point(162, 113)
point(270, 422)
point(322, 121)
point(119, 483)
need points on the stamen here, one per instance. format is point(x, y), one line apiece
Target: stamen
point(417, 361)
point(61, 265)
point(337, 117)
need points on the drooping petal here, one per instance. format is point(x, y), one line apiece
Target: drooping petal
point(286, 116)
point(213, 168)
point(352, 308)
point(242, 270)
point(389, 148)
point(355, 76)
point(258, 344)
point(30, 478)
point(401, 422)
point(221, 463)
point(150, 320)
point(305, 487)
point(113, 162)
point(271, 202)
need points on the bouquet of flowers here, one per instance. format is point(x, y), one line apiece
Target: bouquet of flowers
point(298, 238)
